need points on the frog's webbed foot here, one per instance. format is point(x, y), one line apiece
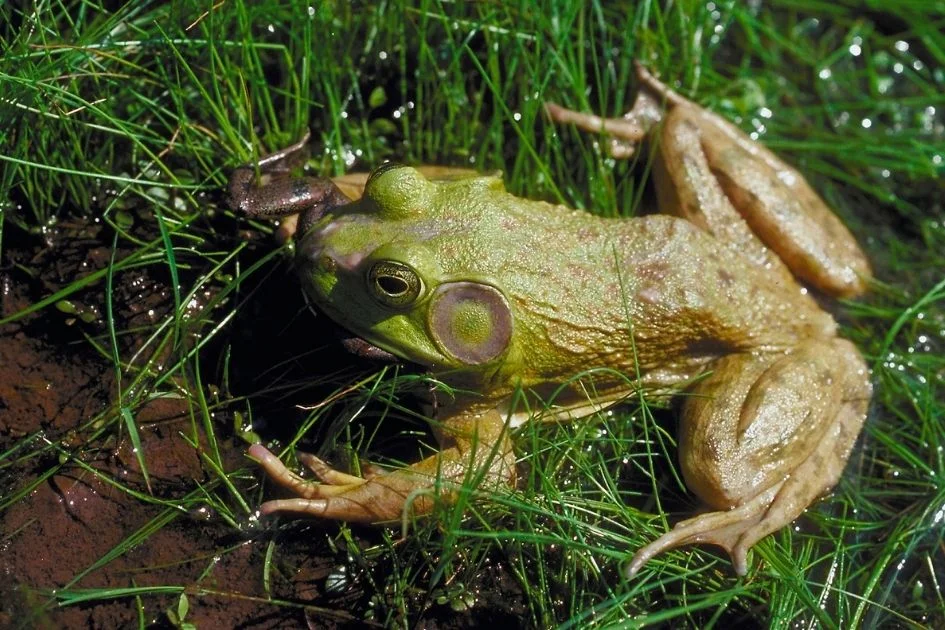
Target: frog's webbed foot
point(761, 438)
point(735, 531)
point(481, 451)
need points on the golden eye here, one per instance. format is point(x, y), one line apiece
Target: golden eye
point(394, 284)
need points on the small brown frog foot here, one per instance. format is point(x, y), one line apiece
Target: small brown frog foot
point(735, 530)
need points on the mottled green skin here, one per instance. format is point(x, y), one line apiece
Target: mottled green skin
point(577, 284)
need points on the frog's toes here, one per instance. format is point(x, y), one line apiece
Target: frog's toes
point(326, 474)
point(333, 482)
point(734, 530)
point(335, 508)
point(338, 495)
point(624, 133)
point(383, 498)
point(278, 473)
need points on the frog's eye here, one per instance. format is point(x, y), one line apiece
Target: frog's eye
point(394, 284)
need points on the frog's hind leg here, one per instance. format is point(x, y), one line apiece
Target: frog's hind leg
point(689, 189)
point(761, 439)
point(714, 175)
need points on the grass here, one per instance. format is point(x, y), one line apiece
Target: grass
point(138, 114)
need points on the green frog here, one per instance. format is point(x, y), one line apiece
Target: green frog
point(505, 299)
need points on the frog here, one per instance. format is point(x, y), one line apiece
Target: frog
point(717, 297)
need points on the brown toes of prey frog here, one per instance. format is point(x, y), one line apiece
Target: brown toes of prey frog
point(500, 297)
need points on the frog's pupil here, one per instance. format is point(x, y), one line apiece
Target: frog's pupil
point(392, 285)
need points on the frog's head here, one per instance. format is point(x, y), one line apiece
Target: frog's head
point(400, 269)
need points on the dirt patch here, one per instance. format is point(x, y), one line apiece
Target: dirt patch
point(85, 517)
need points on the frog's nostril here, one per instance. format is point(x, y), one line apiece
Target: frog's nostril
point(326, 263)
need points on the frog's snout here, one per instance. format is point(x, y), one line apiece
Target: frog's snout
point(316, 255)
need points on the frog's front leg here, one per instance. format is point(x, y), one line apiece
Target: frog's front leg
point(477, 450)
point(761, 438)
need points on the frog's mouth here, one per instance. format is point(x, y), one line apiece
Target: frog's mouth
point(358, 346)
point(354, 344)
point(365, 349)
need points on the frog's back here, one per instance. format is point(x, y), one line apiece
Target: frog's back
point(687, 300)
point(682, 276)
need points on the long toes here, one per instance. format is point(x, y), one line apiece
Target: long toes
point(312, 507)
point(328, 507)
point(327, 474)
point(622, 128)
point(735, 531)
point(724, 537)
point(277, 471)
point(360, 505)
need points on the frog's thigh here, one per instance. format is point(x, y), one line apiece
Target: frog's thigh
point(762, 438)
point(785, 212)
point(755, 420)
point(687, 188)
